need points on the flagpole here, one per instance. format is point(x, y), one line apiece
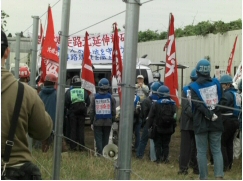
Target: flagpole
point(128, 79)
point(61, 89)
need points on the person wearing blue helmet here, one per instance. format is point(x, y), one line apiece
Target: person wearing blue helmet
point(206, 93)
point(145, 108)
point(161, 119)
point(188, 152)
point(102, 114)
point(230, 118)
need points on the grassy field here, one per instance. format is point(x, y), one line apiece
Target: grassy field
point(85, 166)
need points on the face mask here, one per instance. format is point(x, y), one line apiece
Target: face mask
point(156, 80)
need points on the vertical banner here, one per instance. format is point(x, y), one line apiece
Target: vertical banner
point(87, 76)
point(231, 57)
point(171, 75)
point(116, 61)
point(49, 49)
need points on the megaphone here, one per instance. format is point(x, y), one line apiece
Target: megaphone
point(110, 151)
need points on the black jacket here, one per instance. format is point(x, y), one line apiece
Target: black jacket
point(201, 115)
point(156, 114)
point(186, 122)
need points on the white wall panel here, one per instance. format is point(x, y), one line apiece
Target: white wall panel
point(189, 50)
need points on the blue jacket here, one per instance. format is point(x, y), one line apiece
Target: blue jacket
point(49, 97)
point(202, 115)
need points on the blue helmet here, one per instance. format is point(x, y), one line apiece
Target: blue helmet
point(163, 91)
point(193, 75)
point(203, 67)
point(104, 83)
point(155, 86)
point(226, 79)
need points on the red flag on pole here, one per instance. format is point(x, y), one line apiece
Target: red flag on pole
point(49, 49)
point(231, 57)
point(87, 76)
point(171, 76)
point(116, 61)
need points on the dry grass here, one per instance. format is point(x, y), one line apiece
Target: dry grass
point(84, 166)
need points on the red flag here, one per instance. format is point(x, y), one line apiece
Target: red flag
point(87, 76)
point(49, 52)
point(231, 57)
point(49, 49)
point(116, 61)
point(171, 76)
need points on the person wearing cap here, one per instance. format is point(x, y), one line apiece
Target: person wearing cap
point(32, 120)
point(48, 95)
point(142, 89)
point(230, 118)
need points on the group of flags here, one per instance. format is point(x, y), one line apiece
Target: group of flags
point(50, 59)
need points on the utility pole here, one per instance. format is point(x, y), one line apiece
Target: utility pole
point(17, 56)
point(61, 88)
point(33, 63)
point(34, 50)
point(128, 88)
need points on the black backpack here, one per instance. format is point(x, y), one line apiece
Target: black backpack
point(165, 117)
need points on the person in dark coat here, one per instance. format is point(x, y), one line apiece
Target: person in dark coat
point(76, 102)
point(206, 92)
point(145, 108)
point(188, 150)
point(48, 95)
point(161, 118)
point(230, 119)
point(102, 115)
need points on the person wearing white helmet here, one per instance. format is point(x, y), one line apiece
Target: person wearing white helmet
point(24, 74)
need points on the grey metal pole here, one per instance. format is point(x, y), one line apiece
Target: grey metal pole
point(34, 50)
point(33, 63)
point(61, 88)
point(128, 78)
point(17, 56)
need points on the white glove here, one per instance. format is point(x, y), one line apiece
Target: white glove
point(92, 127)
point(214, 117)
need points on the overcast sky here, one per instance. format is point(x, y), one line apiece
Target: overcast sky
point(154, 15)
